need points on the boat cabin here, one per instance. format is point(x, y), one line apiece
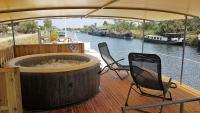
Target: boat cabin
point(156, 37)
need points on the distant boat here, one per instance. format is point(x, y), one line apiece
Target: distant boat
point(163, 39)
point(100, 32)
point(108, 33)
point(61, 34)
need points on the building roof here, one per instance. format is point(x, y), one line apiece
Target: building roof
point(157, 10)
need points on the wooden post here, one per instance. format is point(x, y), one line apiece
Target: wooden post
point(143, 34)
point(39, 36)
point(10, 91)
point(13, 35)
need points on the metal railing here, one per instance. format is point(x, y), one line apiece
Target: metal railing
point(141, 107)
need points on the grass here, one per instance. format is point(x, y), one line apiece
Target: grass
point(19, 39)
point(32, 39)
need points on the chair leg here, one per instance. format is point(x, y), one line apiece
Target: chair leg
point(170, 95)
point(118, 75)
point(103, 70)
point(127, 72)
point(141, 91)
point(129, 91)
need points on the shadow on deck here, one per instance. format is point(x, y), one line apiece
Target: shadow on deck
point(112, 95)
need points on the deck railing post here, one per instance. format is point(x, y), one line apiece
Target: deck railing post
point(123, 111)
point(39, 36)
point(13, 35)
point(183, 54)
point(182, 107)
point(143, 36)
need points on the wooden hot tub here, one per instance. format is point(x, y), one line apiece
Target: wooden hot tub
point(52, 87)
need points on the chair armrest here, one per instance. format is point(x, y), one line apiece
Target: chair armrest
point(115, 62)
point(170, 79)
point(169, 83)
point(119, 60)
point(172, 84)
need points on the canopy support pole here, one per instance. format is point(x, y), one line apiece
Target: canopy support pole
point(183, 54)
point(13, 35)
point(143, 36)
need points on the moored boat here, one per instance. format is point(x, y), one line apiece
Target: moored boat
point(163, 40)
point(108, 33)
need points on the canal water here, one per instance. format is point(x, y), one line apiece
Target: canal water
point(171, 56)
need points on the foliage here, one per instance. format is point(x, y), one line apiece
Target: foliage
point(105, 23)
point(150, 27)
point(137, 33)
point(53, 36)
point(194, 25)
point(27, 27)
point(192, 39)
point(41, 27)
point(47, 24)
point(4, 28)
point(171, 26)
point(120, 26)
point(123, 26)
point(89, 28)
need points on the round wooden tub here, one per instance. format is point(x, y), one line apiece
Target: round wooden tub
point(47, 88)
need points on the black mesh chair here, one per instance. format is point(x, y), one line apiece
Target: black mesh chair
point(145, 70)
point(110, 62)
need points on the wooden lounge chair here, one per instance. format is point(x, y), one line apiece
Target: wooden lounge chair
point(111, 63)
point(145, 71)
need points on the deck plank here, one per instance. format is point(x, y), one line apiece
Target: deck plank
point(112, 95)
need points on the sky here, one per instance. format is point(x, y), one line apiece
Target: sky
point(76, 22)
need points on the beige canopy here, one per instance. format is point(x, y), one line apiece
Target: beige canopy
point(140, 9)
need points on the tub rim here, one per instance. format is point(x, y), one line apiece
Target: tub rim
point(93, 61)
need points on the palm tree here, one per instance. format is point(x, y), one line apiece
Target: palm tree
point(47, 25)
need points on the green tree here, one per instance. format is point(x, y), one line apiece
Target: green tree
point(27, 27)
point(194, 25)
point(122, 26)
point(87, 29)
point(105, 23)
point(171, 26)
point(4, 28)
point(47, 24)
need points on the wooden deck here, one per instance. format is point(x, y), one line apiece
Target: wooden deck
point(112, 95)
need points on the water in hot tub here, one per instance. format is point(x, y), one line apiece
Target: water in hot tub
point(53, 63)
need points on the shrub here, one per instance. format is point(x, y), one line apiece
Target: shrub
point(27, 27)
point(192, 39)
point(53, 36)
